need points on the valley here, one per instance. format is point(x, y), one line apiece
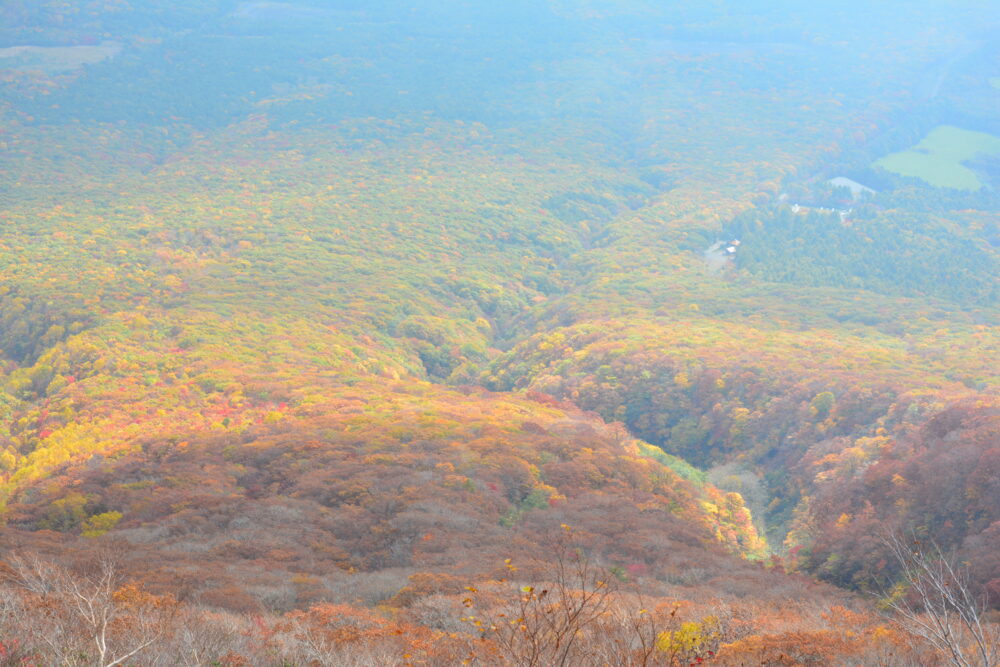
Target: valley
point(329, 343)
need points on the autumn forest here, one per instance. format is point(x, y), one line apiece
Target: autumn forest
point(535, 333)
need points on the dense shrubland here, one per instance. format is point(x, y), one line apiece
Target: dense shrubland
point(567, 609)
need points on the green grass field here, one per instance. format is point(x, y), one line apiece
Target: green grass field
point(938, 158)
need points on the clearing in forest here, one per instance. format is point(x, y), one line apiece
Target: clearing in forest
point(938, 158)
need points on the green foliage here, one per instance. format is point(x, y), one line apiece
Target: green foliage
point(821, 404)
point(675, 463)
point(539, 498)
point(66, 514)
point(906, 252)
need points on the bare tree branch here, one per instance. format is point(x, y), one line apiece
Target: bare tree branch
point(935, 602)
point(97, 609)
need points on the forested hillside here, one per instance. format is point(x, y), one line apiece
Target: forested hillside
point(337, 329)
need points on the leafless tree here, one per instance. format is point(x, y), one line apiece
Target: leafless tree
point(87, 618)
point(199, 637)
point(627, 634)
point(936, 602)
point(545, 624)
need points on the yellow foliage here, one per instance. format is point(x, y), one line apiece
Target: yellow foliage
point(7, 460)
point(689, 638)
point(99, 524)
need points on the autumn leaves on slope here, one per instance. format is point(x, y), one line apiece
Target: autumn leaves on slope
point(358, 480)
point(854, 439)
point(211, 301)
point(261, 274)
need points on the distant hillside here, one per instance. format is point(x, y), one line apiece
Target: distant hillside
point(306, 305)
